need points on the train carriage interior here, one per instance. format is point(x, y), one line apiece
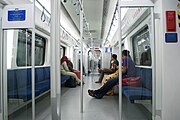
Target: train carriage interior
point(57, 59)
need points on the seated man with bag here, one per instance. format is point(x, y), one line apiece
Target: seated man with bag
point(113, 67)
point(128, 70)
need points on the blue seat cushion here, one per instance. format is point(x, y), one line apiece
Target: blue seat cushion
point(124, 88)
point(23, 93)
point(43, 86)
point(19, 82)
point(12, 94)
point(137, 93)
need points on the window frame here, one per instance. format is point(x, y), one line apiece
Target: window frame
point(145, 30)
point(29, 43)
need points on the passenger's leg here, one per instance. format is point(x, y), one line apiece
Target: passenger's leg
point(74, 76)
point(101, 76)
point(102, 72)
point(104, 89)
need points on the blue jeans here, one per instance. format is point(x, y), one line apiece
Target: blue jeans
point(106, 87)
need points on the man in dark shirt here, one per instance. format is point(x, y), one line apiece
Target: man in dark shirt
point(113, 67)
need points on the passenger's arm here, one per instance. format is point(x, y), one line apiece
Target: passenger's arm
point(124, 69)
point(65, 66)
point(124, 65)
point(113, 67)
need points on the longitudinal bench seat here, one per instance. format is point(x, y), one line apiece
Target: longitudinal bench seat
point(143, 91)
point(20, 85)
point(137, 93)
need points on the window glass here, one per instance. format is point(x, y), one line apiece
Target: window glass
point(62, 51)
point(122, 47)
point(142, 48)
point(24, 49)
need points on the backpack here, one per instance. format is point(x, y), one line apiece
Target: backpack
point(71, 82)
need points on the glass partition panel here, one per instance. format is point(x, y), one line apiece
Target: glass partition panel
point(0, 62)
point(42, 80)
point(19, 85)
point(137, 64)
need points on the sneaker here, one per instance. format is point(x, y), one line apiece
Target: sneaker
point(92, 94)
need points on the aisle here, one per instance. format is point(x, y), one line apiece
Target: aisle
point(94, 109)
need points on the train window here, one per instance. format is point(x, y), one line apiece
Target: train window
point(62, 51)
point(142, 48)
point(122, 46)
point(24, 49)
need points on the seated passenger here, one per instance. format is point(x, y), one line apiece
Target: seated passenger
point(128, 70)
point(65, 70)
point(70, 65)
point(99, 64)
point(113, 65)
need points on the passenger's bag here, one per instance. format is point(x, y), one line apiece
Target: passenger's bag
point(131, 81)
point(77, 73)
point(71, 82)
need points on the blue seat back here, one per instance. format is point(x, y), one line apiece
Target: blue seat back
point(39, 74)
point(47, 73)
point(20, 84)
point(11, 80)
point(23, 77)
point(146, 77)
point(138, 71)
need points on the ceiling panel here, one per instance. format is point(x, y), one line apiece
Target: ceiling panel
point(94, 10)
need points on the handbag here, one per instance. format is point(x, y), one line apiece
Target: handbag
point(131, 81)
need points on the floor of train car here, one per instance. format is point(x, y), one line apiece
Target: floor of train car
point(94, 109)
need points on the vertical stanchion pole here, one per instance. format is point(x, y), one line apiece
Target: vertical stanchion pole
point(1, 96)
point(55, 60)
point(153, 65)
point(120, 61)
point(33, 63)
point(4, 73)
point(81, 34)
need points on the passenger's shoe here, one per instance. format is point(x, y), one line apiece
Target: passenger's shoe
point(93, 94)
point(97, 82)
point(79, 83)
